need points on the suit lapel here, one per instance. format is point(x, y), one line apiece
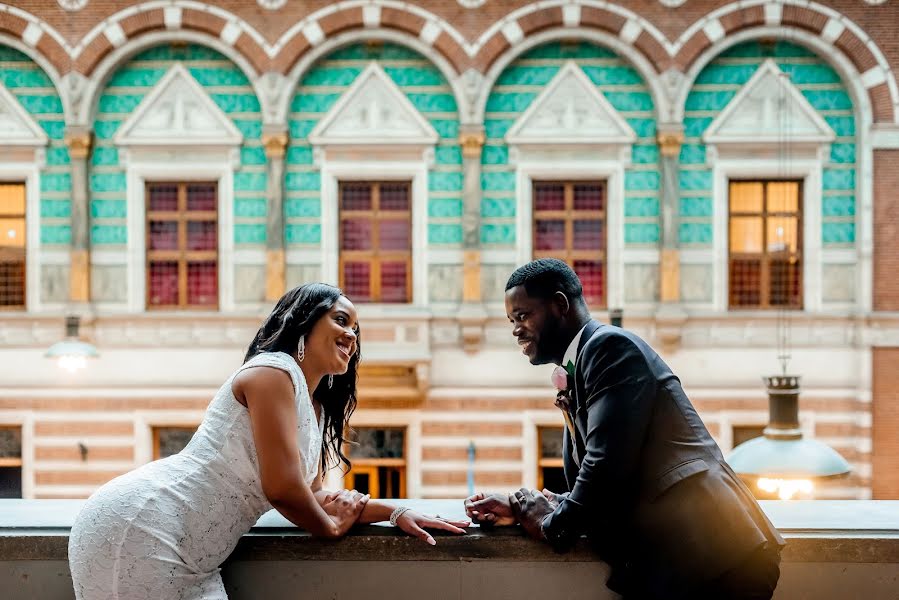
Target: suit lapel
point(579, 392)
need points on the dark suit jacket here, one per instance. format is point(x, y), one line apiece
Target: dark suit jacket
point(652, 490)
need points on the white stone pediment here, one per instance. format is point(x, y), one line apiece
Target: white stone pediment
point(17, 127)
point(373, 111)
point(178, 112)
point(570, 110)
point(769, 109)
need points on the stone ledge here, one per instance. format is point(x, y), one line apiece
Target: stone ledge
point(816, 532)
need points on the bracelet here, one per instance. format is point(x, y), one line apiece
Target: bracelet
point(398, 512)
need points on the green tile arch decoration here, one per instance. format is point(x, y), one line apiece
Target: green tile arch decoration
point(32, 87)
point(819, 83)
point(228, 87)
point(425, 87)
point(516, 88)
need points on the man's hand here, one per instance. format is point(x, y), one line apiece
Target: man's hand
point(530, 508)
point(554, 499)
point(489, 509)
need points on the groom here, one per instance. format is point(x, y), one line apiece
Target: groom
point(648, 485)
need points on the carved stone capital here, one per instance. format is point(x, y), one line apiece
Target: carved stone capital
point(472, 143)
point(670, 142)
point(79, 143)
point(275, 144)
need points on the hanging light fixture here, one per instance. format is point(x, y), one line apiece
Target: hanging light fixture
point(781, 463)
point(72, 353)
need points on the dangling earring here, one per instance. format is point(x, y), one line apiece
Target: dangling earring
point(301, 348)
point(330, 381)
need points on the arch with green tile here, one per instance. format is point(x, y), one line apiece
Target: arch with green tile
point(519, 84)
point(34, 90)
point(428, 91)
point(228, 87)
point(821, 85)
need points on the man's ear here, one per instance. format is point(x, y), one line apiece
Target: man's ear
point(561, 304)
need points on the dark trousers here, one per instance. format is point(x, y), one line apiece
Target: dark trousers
point(753, 579)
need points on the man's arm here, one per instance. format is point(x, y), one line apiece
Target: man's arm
point(620, 393)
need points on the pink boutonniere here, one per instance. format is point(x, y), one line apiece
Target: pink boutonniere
point(563, 380)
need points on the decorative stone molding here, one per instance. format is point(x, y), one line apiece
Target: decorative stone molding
point(570, 110)
point(472, 143)
point(373, 111)
point(79, 143)
point(275, 144)
point(72, 5)
point(178, 112)
point(670, 142)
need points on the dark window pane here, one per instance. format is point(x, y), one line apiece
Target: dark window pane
point(745, 282)
point(550, 235)
point(394, 284)
point(202, 283)
point(549, 196)
point(12, 278)
point(202, 235)
point(163, 235)
point(554, 479)
point(379, 442)
point(588, 235)
point(362, 483)
point(785, 283)
point(10, 442)
point(551, 440)
point(172, 440)
point(163, 283)
point(355, 234)
point(10, 482)
point(163, 197)
point(355, 196)
point(394, 196)
point(201, 196)
point(395, 235)
point(357, 281)
point(744, 433)
point(589, 196)
point(390, 479)
point(592, 276)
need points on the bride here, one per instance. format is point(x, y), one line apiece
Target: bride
point(162, 530)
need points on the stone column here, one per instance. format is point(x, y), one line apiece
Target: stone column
point(275, 142)
point(670, 140)
point(78, 139)
point(472, 314)
point(472, 140)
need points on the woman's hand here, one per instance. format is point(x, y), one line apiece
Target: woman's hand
point(344, 507)
point(414, 523)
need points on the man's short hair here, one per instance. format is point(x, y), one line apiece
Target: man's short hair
point(544, 277)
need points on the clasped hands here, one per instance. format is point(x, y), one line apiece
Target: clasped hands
point(525, 507)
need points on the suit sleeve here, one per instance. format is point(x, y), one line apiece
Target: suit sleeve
point(620, 390)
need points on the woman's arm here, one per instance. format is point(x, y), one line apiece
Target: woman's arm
point(269, 397)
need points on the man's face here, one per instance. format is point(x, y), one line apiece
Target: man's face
point(535, 324)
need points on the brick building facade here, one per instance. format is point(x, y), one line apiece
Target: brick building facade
point(724, 172)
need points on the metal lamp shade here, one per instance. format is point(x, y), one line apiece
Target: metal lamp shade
point(788, 459)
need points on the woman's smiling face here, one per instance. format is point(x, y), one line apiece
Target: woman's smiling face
point(332, 341)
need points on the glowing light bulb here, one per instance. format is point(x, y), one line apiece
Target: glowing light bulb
point(72, 363)
point(785, 489)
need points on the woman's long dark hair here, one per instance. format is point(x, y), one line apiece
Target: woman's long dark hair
point(294, 316)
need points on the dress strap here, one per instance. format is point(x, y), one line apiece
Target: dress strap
point(278, 360)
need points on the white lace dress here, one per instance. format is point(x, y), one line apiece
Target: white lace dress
point(162, 530)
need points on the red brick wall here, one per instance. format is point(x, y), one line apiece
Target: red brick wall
point(885, 394)
point(886, 230)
